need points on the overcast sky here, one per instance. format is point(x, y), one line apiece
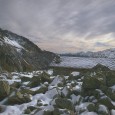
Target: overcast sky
point(62, 25)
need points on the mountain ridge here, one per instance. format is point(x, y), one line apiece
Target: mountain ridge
point(108, 53)
point(17, 53)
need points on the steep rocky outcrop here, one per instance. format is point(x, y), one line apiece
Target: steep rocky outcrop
point(17, 53)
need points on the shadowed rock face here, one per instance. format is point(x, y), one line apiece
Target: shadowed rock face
point(17, 53)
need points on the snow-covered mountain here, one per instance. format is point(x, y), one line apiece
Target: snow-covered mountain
point(109, 53)
point(17, 53)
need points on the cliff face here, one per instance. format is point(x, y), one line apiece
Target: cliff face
point(17, 53)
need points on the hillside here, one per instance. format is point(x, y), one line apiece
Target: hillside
point(17, 53)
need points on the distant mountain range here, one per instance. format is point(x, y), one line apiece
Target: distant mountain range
point(109, 53)
point(17, 53)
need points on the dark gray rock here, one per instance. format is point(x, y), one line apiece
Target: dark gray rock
point(27, 58)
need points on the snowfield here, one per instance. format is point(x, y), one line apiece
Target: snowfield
point(81, 62)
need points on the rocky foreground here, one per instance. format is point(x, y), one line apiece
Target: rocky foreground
point(41, 93)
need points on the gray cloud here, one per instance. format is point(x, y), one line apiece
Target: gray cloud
point(72, 23)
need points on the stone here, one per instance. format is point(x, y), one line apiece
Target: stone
point(107, 102)
point(64, 103)
point(4, 89)
point(19, 98)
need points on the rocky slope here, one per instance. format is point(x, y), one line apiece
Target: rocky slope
point(109, 53)
point(90, 92)
point(17, 53)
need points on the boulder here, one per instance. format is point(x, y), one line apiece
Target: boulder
point(107, 102)
point(103, 110)
point(4, 89)
point(19, 98)
point(89, 85)
point(37, 80)
point(100, 67)
point(25, 79)
point(27, 91)
point(42, 89)
point(91, 107)
point(64, 103)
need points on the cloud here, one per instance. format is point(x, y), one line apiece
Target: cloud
point(61, 25)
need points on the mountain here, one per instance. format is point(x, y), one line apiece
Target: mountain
point(17, 53)
point(109, 53)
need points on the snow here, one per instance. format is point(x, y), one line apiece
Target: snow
point(30, 75)
point(50, 72)
point(77, 88)
point(89, 113)
point(82, 62)
point(82, 106)
point(48, 101)
point(12, 81)
point(56, 81)
point(11, 110)
point(75, 99)
point(112, 112)
point(65, 91)
point(35, 88)
point(109, 53)
point(66, 77)
point(51, 93)
point(49, 107)
point(13, 43)
point(75, 73)
point(113, 87)
point(103, 108)
point(18, 109)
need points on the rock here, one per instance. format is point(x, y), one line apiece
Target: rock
point(91, 83)
point(57, 60)
point(37, 80)
point(27, 111)
point(25, 79)
point(107, 102)
point(48, 112)
point(27, 91)
point(19, 98)
point(100, 67)
point(16, 84)
point(110, 78)
point(64, 104)
point(52, 93)
point(45, 77)
point(103, 110)
point(32, 108)
point(76, 99)
point(25, 57)
point(4, 89)
point(2, 108)
point(56, 111)
point(65, 92)
point(109, 92)
point(42, 89)
point(91, 107)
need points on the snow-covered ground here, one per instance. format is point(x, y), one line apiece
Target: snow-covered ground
point(48, 99)
point(12, 42)
point(82, 62)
